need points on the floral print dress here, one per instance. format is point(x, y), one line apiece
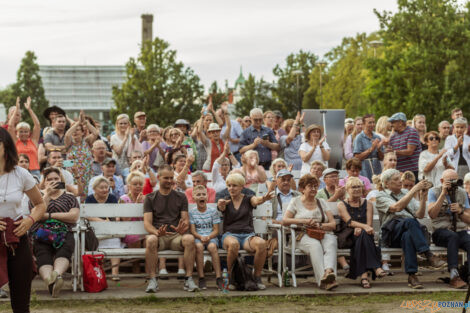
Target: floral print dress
point(83, 159)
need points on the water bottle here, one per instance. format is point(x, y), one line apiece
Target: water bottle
point(286, 277)
point(225, 279)
point(205, 109)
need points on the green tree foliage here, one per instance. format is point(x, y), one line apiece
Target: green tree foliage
point(218, 96)
point(286, 93)
point(160, 86)
point(255, 93)
point(28, 84)
point(425, 61)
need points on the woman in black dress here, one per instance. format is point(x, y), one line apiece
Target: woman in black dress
point(357, 213)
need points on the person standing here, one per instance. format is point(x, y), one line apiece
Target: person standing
point(457, 146)
point(16, 266)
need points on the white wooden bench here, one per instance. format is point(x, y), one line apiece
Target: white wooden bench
point(113, 229)
point(289, 247)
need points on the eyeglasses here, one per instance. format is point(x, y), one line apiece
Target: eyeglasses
point(434, 138)
point(356, 186)
point(257, 120)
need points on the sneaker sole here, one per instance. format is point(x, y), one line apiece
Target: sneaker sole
point(57, 287)
point(416, 286)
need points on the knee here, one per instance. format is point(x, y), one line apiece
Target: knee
point(260, 245)
point(188, 240)
point(233, 246)
point(152, 242)
point(212, 247)
point(199, 247)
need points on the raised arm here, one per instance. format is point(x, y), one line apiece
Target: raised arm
point(13, 121)
point(226, 136)
point(68, 135)
point(36, 124)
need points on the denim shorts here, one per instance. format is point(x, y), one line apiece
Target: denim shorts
point(240, 237)
point(213, 240)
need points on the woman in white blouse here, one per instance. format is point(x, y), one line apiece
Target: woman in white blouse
point(457, 147)
point(432, 162)
point(124, 141)
point(15, 181)
point(308, 211)
point(314, 148)
point(222, 166)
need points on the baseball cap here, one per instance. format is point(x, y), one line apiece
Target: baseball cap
point(283, 172)
point(400, 116)
point(329, 171)
point(109, 160)
point(140, 113)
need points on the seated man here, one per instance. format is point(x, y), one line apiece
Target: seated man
point(401, 209)
point(167, 221)
point(199, 179)
point(239, 232)
point(448, 209)
point(284, 194)
point(205, 228)
point(332, 191)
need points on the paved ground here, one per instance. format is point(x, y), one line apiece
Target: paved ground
point(131, 288)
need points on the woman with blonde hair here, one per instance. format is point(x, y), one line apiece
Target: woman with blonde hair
point(419, 123)
point(124, 141)
point(348, 143)
point(254, 173)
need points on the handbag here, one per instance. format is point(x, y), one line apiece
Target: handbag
point(314, 233)
point(94, 277)
point(52, 231)
point(91, 241)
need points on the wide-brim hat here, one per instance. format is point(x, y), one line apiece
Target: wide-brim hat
point(51, 109)
point(213, 127)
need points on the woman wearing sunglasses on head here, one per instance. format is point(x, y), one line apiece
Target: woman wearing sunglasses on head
point(433, 162)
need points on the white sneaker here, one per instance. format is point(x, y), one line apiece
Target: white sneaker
point(386, 267)
point(190, 285)
point(181, 272)
point(152, 286)
point(163, 271)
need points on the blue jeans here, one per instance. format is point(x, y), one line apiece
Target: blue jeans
point(408, 235)
point(213, 240)
point(240, 237)
point(452, 241)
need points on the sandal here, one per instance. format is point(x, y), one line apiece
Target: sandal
point(379, 272)
point(365, 283)
point(115, 277)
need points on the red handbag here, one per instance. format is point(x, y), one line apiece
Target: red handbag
point(94, 278)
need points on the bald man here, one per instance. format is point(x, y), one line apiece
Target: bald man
point(99, 155)
point(449, 210)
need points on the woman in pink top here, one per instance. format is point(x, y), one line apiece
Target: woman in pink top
point(254, 173)
point(353, 168)
point(27, 141)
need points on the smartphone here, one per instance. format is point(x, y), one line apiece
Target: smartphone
point(190, 151)
point(60, 185)
point(68, 163)
point(265, 137)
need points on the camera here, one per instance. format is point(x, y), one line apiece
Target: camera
point(265, 137)
point(455, 183)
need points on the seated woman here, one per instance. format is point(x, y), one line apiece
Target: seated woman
point(432, 162)
point(143, 167)
point(101, 194)
point(239, 233)
point(62, 206)
point(222, 167)
point(254, 173)
point(357, 213)
point(353, 168)
point(316, 169)
point(277, 165)
point(308, 211)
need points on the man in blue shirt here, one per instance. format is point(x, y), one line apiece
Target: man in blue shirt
point(235, 134)
point(260, 138)
point(283, 194)
point(449, 210)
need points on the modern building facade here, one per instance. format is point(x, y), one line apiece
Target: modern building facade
point(89, 88)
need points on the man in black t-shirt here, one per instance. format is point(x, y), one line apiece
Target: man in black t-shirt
point(167, 221)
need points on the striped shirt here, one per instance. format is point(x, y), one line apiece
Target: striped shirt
point(204, 221)
point(400, 141)
point(63, 204)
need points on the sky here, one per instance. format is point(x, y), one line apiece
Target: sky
point(214, 38)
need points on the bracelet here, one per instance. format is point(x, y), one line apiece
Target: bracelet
point(31, 218)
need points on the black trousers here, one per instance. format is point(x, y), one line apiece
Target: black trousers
point(452, 241)
point(20, 275)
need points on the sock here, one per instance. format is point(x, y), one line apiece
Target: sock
point(454, 273)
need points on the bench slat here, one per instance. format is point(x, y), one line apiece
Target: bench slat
point(112, 210)
point(119, 228)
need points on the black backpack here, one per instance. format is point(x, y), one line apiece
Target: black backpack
point(242, 276)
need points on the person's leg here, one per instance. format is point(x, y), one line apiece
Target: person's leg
point(200, 259)
point(151, 255)
point(187, 241)
point(232, 246)
point(330, 248)
point(257, 246)
point(465, 245)
point(61, 265)
point(411, 262)
point(212, 248)
point(115, 267)
point(450, 240)
point(314, 249)
point(416, 235)
point(20, 273)
point(342, 261)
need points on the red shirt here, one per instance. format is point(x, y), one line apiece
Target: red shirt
point(210, 195)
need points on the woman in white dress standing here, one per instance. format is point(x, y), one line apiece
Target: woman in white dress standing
point(16, 261)
point(314, 148)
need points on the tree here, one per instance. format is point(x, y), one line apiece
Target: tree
point(255, 94)
point(286, 93)
point(28, 84)
point(425, 61)
point(160, 86)
point(218, 96)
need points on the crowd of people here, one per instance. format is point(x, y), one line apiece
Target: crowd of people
point(395, 166)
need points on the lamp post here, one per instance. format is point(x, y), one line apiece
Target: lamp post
point(321, 64)
point(298, 73)
point(375, 44)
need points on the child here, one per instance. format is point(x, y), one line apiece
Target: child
point(205, 229)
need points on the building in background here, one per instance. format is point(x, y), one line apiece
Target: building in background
point(89, 88)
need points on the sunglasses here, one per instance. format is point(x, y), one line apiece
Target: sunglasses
point(434, 138)
point(356, 186)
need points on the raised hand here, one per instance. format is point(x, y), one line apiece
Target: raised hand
point(322, 140)
point(190, 159)
point(140, 198)
point(290, 167)
point(226, 149)
point(27, 105)
point(302, 118)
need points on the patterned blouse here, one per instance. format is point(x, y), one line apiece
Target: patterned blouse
point(81, 155)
